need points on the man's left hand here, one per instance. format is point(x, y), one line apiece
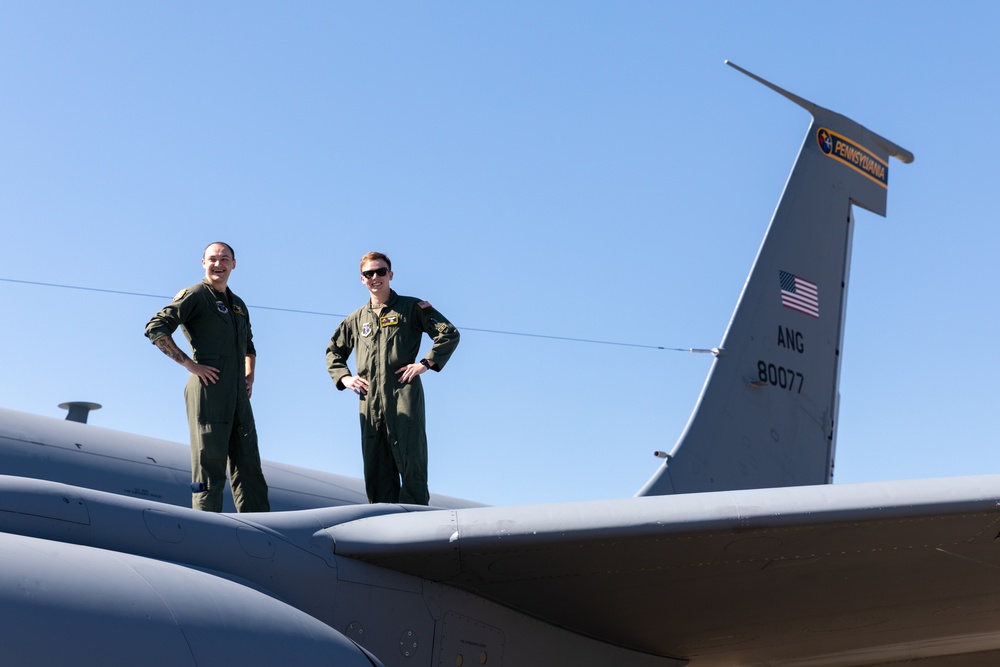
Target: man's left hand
point(410, 371)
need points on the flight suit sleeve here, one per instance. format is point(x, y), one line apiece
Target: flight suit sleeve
point(251, 350)
point(442, 332)
point(338, 351)
point(179, 311)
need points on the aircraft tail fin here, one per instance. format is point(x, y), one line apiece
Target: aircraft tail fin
point(767, 414)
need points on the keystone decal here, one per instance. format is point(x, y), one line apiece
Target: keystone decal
point(856, 157)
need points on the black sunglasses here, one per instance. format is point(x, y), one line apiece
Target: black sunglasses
point(381, 271)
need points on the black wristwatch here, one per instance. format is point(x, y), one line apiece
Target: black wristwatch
point(426, 364)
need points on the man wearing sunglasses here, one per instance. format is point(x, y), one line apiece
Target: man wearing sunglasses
point(385, 336)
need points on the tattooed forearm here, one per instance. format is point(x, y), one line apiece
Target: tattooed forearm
point(169, 348)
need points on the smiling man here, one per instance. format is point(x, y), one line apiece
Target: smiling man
point(385, 336)
point(217, 324)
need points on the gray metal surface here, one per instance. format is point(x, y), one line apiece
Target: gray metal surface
point(834, 575)
point(839, 574)
point(64, 604)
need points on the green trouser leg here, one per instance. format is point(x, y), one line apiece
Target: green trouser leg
point(209, 447)
point(394, 472)
point(207, 410)
point(412, 463)
point(381, 475)
point(245, 474)
point(222, 429)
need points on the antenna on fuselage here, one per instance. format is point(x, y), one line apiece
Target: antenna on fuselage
point(79, 410)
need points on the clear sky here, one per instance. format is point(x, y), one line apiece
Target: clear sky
point(583, 170)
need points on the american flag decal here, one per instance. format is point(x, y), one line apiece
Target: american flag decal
point(799, 294)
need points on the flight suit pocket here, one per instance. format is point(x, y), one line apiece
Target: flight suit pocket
point(214, 406)
point(209, 403)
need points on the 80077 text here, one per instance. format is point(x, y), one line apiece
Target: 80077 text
point(779, 376)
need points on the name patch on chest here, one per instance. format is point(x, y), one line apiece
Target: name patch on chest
point(388, 320)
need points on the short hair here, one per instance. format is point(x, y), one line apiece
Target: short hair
point(231, 251)
point(371, 256)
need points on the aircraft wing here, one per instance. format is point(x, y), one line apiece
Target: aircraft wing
point(861, 574)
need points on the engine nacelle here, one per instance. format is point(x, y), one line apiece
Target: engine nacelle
point(76, 605)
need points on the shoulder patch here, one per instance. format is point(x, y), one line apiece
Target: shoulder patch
point(181, 294)
point(424, 304)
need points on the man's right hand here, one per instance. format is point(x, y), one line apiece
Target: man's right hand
point(358, 385)
point(207, 374)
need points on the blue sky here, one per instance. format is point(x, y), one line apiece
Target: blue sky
point(569, 169)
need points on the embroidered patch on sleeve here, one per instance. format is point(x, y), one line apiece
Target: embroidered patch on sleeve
point(424, 304)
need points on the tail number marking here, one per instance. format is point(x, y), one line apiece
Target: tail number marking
point(779, 376)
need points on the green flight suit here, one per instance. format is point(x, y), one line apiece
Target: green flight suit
point(219, 415)
point(393, 435)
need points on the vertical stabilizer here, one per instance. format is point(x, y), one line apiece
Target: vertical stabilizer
point(767, 414)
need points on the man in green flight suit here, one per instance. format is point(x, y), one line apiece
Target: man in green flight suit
point(385, 335)
point(217, 324)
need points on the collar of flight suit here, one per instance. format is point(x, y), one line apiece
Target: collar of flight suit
point(393, 298)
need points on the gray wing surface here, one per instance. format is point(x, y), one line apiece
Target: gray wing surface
point(863, 574)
